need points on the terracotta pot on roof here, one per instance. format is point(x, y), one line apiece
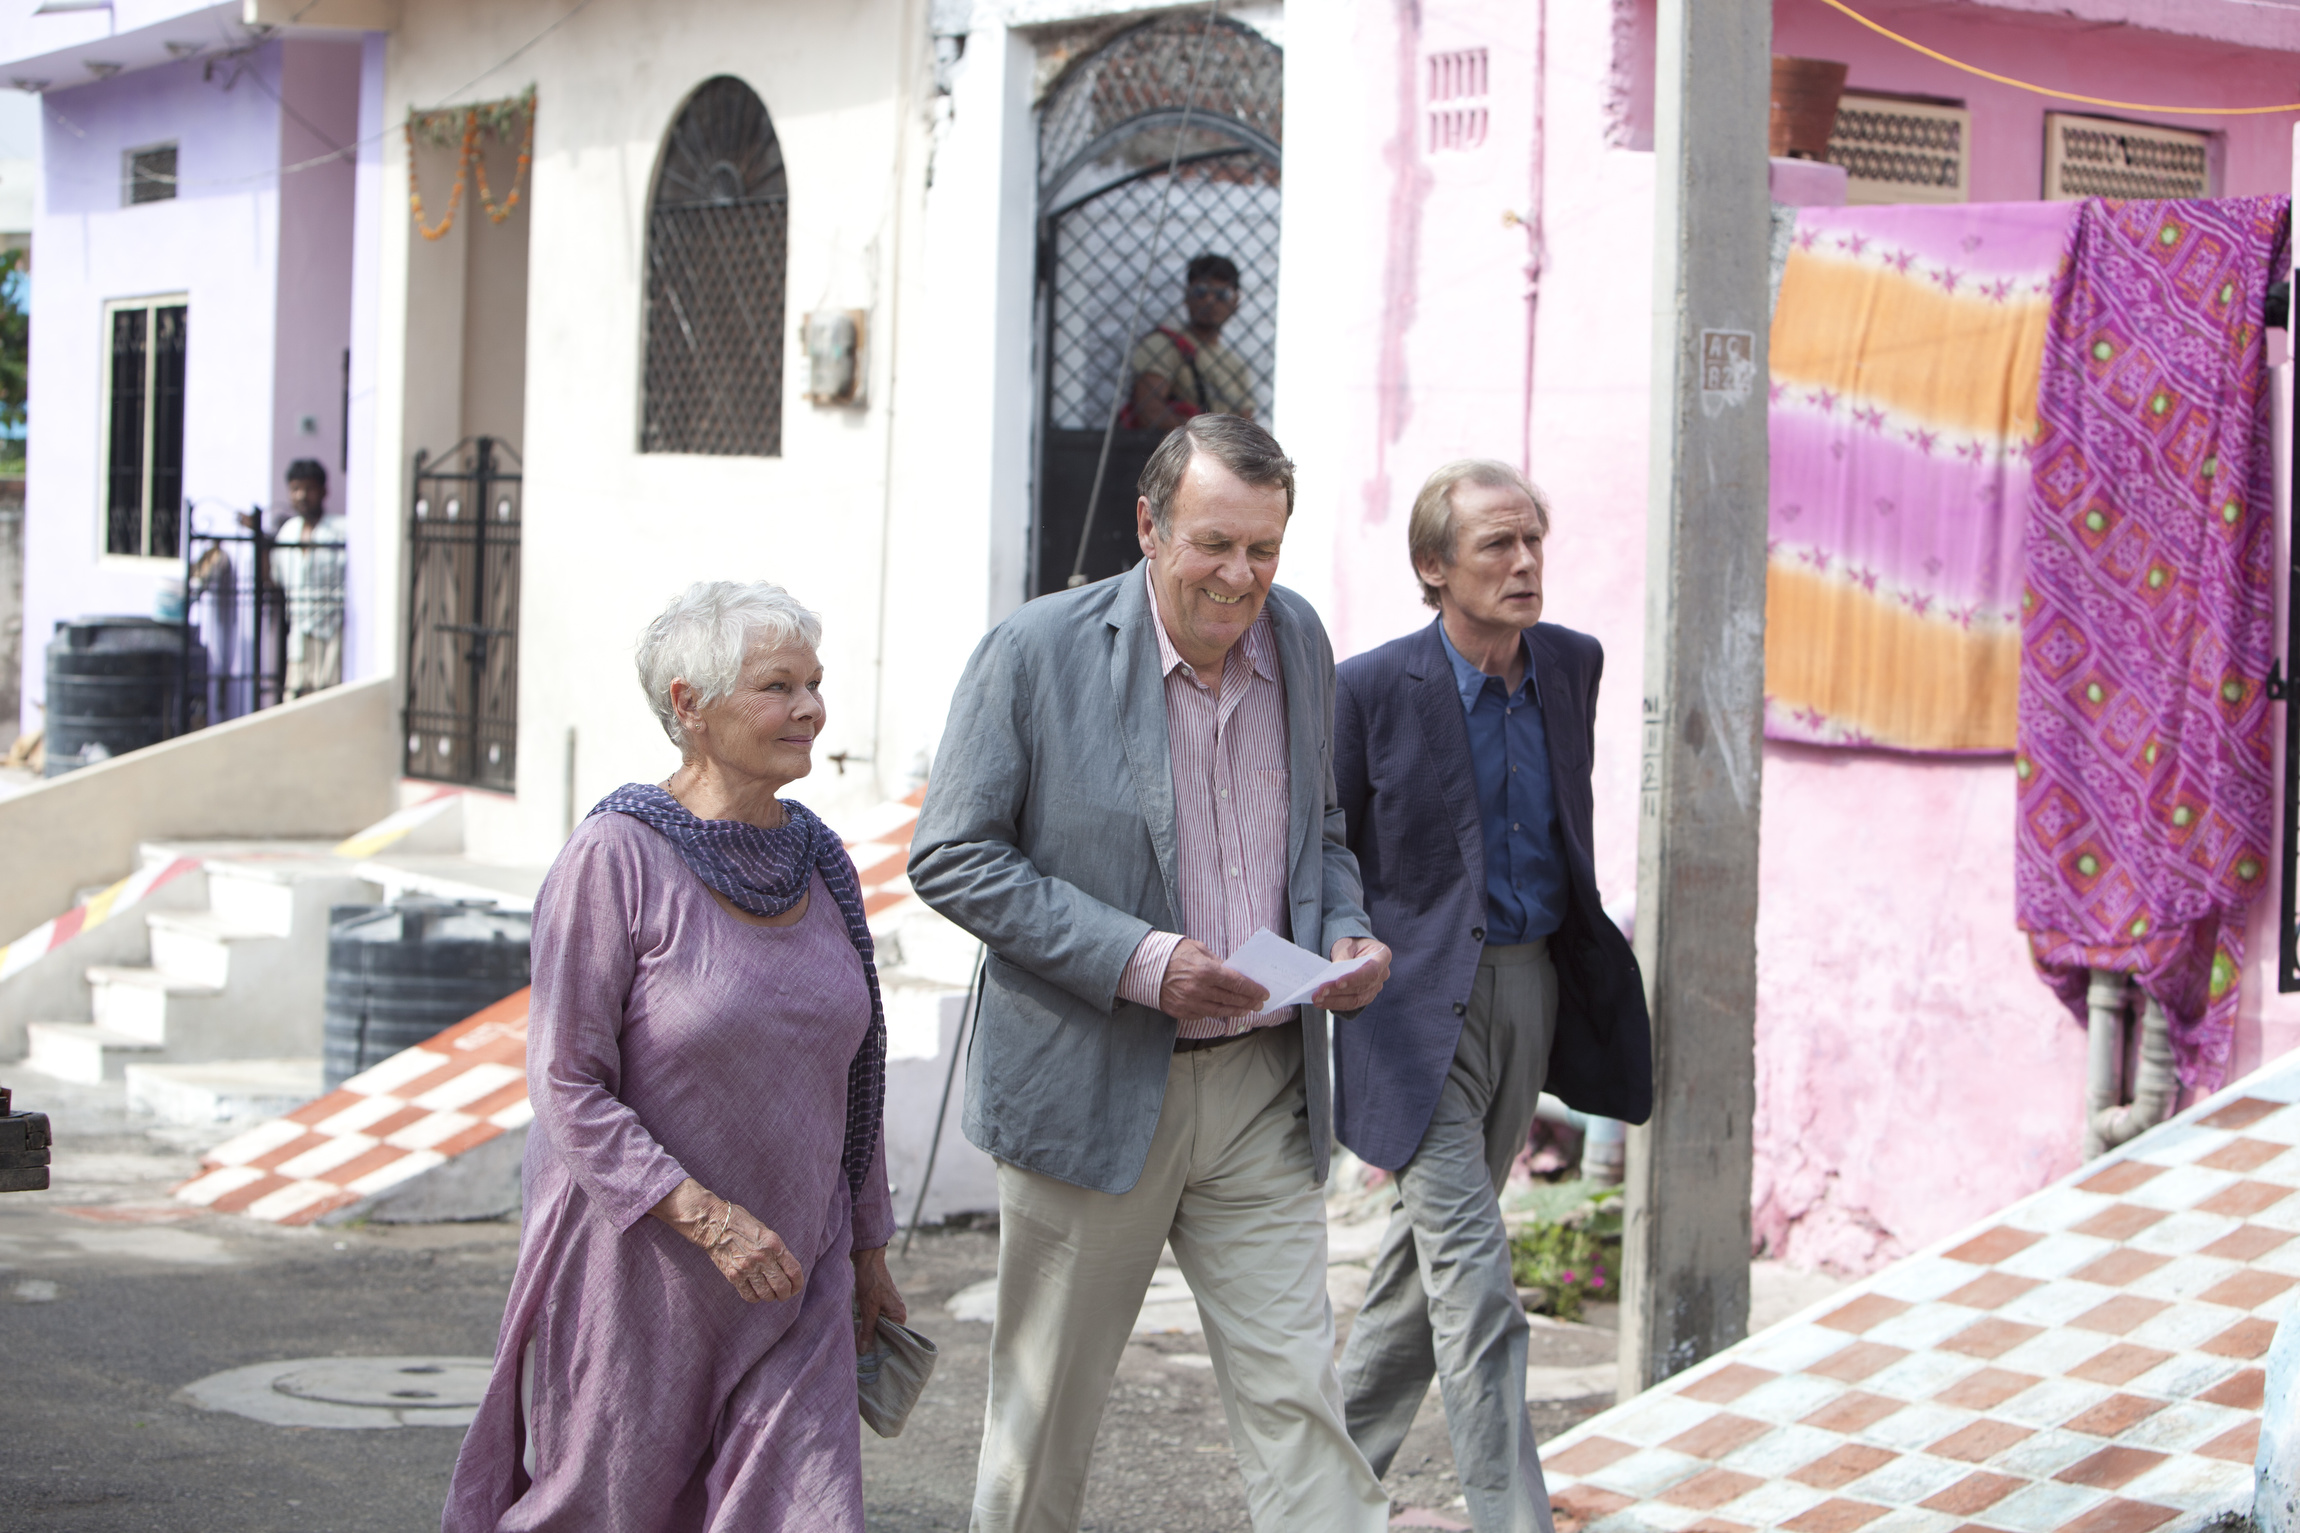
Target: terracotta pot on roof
point(1805, 93)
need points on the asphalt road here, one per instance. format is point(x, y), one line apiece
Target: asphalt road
point(112, 1300)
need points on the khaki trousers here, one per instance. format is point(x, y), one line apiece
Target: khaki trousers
point(314, 663)
point(1227, 1183)
point(1440, 1300)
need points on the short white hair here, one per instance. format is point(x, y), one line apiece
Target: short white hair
point(703, 636)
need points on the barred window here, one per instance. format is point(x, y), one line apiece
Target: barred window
point(144, 427)
point(716, 239)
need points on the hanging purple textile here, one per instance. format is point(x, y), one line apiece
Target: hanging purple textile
point(2146, 806)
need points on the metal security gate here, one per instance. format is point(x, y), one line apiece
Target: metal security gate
point(463, 616)
point(1105, 138)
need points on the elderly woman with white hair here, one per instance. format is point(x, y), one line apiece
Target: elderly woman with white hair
point(703, 1254)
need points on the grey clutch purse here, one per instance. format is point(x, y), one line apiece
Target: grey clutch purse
point(890, 1375)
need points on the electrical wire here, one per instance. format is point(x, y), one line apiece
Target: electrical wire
point(243, 72)
point(2046, 90)
point(356, 145)
point(1141, 293)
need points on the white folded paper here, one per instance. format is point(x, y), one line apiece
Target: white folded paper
point(1291, 974)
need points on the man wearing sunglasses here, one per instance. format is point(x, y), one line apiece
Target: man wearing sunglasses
point(1181, 371)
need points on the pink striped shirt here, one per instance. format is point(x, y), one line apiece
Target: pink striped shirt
point(1232, 800)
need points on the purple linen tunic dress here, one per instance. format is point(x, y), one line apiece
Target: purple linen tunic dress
point(668, 1039)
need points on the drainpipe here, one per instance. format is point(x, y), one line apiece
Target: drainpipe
point(1604, 1151)
point(1537, 253)
point(914, 22)
point(2109, 1120)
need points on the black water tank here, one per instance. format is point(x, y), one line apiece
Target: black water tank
point(116, 684)
point(398, 973)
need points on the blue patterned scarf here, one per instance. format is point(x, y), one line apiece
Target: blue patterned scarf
point(766, 872)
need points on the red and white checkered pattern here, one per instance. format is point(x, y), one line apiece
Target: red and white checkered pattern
point(414, 1111)
point(48, 936)
point(426, 1105)
point(879, 843)
point(2088, 1361)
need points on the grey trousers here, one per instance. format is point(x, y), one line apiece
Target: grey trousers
point(1227, 1182)
point(1440, 1300)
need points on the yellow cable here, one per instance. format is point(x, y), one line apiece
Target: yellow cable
point(2046, 90)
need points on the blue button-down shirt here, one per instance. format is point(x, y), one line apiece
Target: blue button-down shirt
point(1517, 807)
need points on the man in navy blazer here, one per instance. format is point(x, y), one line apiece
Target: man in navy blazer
point(1462, 757)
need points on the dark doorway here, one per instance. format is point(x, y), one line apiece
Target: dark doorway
point(1105, 138)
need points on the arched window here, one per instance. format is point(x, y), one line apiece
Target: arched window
point(716, 238)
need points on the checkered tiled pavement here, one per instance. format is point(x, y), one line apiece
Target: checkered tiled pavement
point(879, 843)
point(461, 1088)
point(2089, 1360)
point(414, 1111)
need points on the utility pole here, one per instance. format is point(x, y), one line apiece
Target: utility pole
point(1687, 1250)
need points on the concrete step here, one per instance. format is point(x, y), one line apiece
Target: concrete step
point(136, 1001)
point(197, 945)
point(77, 1051)
point(263, 886)
point(223, 1091)
point(252, 899)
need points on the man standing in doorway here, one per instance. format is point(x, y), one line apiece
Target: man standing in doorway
point(1181, 371)
point(1462, 754)
point(307, 564)
point(1133, 782)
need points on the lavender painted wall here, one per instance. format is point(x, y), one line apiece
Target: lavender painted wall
point(321, 96)
point(1913, 1075)
point(267, 279)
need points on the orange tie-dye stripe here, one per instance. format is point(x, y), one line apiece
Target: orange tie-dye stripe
point(1961, 361)
point(1918, 683)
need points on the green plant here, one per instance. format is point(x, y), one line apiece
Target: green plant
point(15, 340)
point(1573, 1258)
point(444, 127)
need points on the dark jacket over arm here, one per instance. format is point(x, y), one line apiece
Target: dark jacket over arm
point(1402, 771)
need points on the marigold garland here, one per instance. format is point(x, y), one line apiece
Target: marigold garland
point(470, 162)
point(526, 158)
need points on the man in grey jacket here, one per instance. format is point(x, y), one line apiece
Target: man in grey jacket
point(1136, 777)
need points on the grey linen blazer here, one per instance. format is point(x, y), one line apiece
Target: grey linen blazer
point(1048, 832)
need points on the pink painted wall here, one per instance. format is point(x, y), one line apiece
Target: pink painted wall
point(1913, 1074)
point(2124, 63)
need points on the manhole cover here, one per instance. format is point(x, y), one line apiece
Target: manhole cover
point(350, 1392)
point(390, 1383)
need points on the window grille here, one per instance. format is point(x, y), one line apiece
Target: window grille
point(148, 175)
point(144, 428)
point(2101, 157)
point(1895, 150)
point(1457, 91)
point(716, 242)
